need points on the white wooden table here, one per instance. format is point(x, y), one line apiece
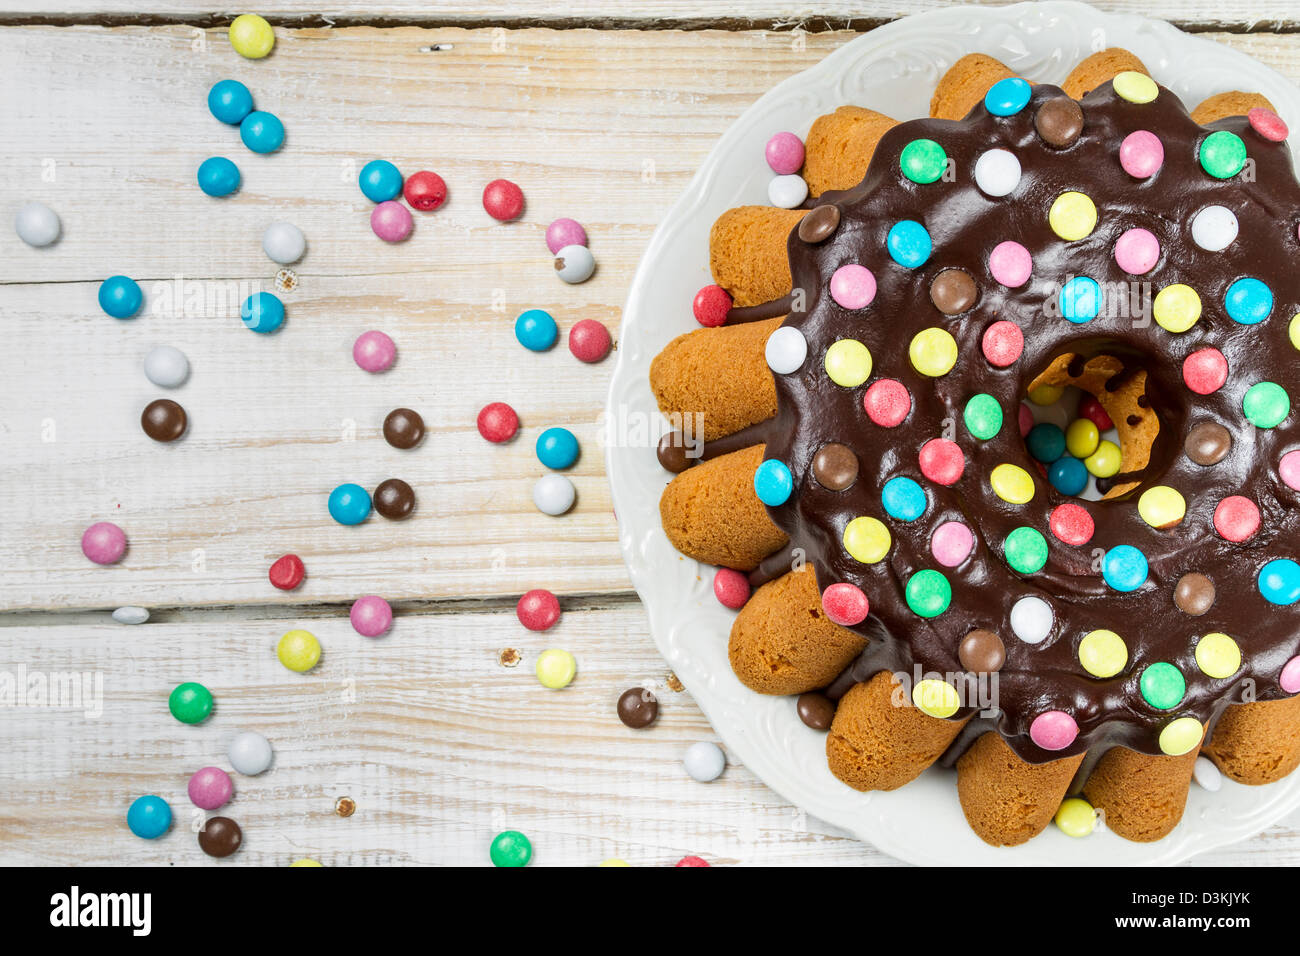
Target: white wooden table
point(599, 117)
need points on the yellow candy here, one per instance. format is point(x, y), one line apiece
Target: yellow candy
point(867, 539)
point(305, 861)
point(1181, 736)
point(1073, 216)
point(298, 650)
point(1176, 308)
point(1217, 655)
point(1076, 818)
point(1103, 653)
point(251, 36)
point(1295, 330)
point(1082, 438)
point(1012, 483)
point(1161, 506)
point(1046, 394)
point(1105, 461)
point(937, 698)
point(848, 363)
point(933, 352)
point(555, 668)
point(614, 861)
point(1135, 87)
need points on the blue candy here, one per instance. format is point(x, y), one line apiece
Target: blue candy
point(1279, 581)
point(349, 504)
point(218, 176)
point(380, 180)
point(149, 817)
point(1124, 568)
point(1068, 475)
point(1248, 301)
point(1046, 442)
point(773, 482)
point(557, 448)
point(1080, 299)
point(262, 132)
point(903, 498)
point(262, 312)
point(1007, 97)
point(536, 330)
point(120, 297)
point(908, 243)
point(230, 101)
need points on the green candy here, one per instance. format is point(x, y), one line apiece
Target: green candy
point(923, 161)
point(1266, 404)
point(983, 416)
point(1222, 154)
point(1026, 550)
point(1163, 686)
point(928, 593)
point(190, 703)
point(511, 848)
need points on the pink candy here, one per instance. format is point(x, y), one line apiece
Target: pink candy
point(1236, 518)
point(1290, 677)
point(1003, 343)
point(1268, 124)
point(1137, 251)
point(845, 604)
point(391, 221)
point(1288, 470)
point(1205, 371)
point(784, 154)
point(853, 286)
point(1026, 419)
point(1011, 264)
point(951, 543)
point(538, 610)
point(1141, 154)
point(887, 402)
point(1053, 730)
point(565, 232)
point(371, 616)
point(942, 461)
point(374, 351)
point(731, 588)
point(210, 788)
point(104, 543)
point(589, 341)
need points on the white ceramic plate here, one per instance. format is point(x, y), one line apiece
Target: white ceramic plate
point(892, 69)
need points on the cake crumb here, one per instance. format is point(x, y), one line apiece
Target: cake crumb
point(673, 683)
point(345, 806)
point(509, 657)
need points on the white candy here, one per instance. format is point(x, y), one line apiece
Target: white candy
point(553, 494)
point(788, 192)
point(997, 172)
point(1031, 619)
point(166, 367)
point(131, 615)
point(249, 753)
point(37, 224)
point(1214, 228)
point(1207, 775)
point(574, 264)
point(705, 761)
point(284, 243)
point(786, 349)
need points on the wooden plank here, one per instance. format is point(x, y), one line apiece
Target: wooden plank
point(439, 745)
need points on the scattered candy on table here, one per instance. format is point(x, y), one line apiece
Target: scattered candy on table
point(374, 351)
point(306, 861)
point(190, 703)
point(613, 861)
point(403, 428)
point(220, 837)
point(497, 422)
point(249, 753)
point(565, 232)
point(556, 668)
point(262, 312)
point(166, 366)
point(503, 200)
point(554, 494)
point(149, 817)
point(298, 650)
point(230, 101)
point(704, 761)
point(218, 176)
point(349, 504)
point(103, 542)
point(131, 615)
point(691, 861)
point(380, 180)
point(589, 341)
point(731, 588)
point(164, 420)
point(424, 190)
point(784, 153)
point(210, 788)
point(391, 221)
point(536, 330)
point(283, 242)
point(371, 616)
point(37, 224)
point(262, 132)
point(637, 708)
point(120, 297)
point(711, 305)
point(538, 610)
point(557, 448)
point(510, 848)
point(287, 572)
point(394, 499)
point(574, 264)
point(251, 36)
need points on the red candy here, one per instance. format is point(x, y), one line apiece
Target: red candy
point(1236, 518)
point(711, 305)
point(1205, 371)
point(1091, 409)
point(503, 200)
point(538, 610)
point(690, 861)
point(1002, 343)
point(1072, 524)
point(731, 588)
point(498, 422)
point(589, 341)
point(887, 402)
point(942, 461)
point(1268, 124)
point(425, 191)
point(845, 604)
point(287, 572)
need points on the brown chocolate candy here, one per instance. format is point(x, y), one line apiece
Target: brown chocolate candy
point(220, 836)
point(403, 428)
point(1059, 121)
point(835, 466)
point(816, 710)
point(820, 223)
point(1208, 443)
point(672, 453)
point(164, 420)
point(394, 499)
point(982, 652)
point(953, 291)
point(638, 708)
point(1194, 594)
